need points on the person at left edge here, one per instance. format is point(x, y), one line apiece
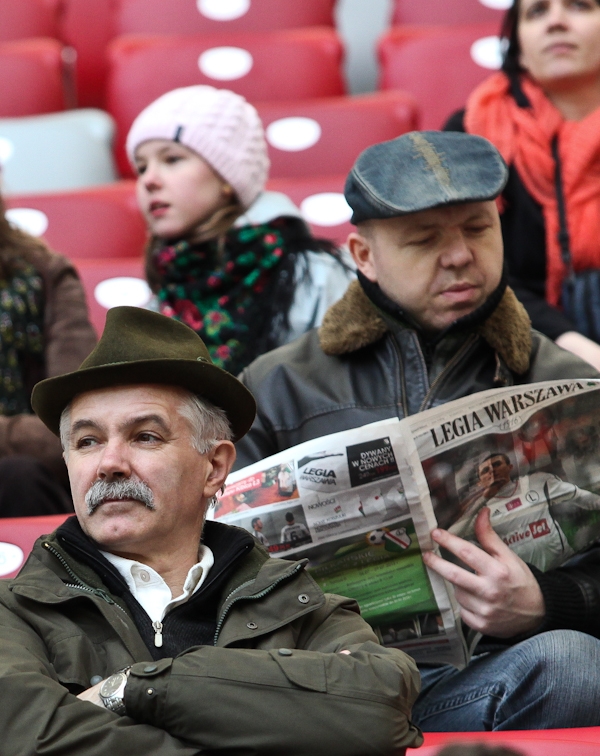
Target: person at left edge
point(138, 628)
point(44, 331)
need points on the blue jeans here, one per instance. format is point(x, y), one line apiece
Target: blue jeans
point(549, 681)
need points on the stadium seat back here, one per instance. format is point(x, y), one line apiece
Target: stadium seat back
point(449, 11)
point(321, 202)
point(32, 78)
point(88, 223)
point(210, 16)
point(67, 150)
point(22, 19)
point(580, 741)
point(17, 536)
point(88, 27)
point(324, 136)
point(296, 64)
point(111, 282)
point(440, 67)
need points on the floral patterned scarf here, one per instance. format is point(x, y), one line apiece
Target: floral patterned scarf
point(235, 295)
point(21, 336)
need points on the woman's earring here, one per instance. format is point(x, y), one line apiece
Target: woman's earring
point(228, 190)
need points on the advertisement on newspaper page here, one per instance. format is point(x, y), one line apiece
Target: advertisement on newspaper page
point(349, 503)
point(361, 504)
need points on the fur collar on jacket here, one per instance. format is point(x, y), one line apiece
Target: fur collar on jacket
point(354, 323)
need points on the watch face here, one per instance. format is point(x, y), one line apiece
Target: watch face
point(112, 685)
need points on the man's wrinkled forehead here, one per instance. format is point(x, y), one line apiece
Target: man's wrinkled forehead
point(126, 405)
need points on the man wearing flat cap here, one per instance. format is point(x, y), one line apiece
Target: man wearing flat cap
point(136, 628)
point(429, 320)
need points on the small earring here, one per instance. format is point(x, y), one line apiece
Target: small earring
point(227, 190)
point(213, 501)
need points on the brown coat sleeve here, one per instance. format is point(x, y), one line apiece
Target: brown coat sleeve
point(69, 337)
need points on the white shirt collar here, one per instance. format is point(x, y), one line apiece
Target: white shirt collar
point(149, 588)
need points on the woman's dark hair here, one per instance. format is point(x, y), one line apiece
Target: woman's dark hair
point(510, 32)
point(15, 246)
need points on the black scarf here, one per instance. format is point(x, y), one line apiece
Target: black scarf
point(190, 624)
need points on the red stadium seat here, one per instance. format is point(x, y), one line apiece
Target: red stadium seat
point(112, 282)
point(324, 136)
point(28, 18)
point(321, 201)
point(210, 16)
point(88, 27)
point(103, 222)
point(295, 64)
point(17, 536)
point(449, 11)
point(583, 741)
point(32, 77)
point(439, 66)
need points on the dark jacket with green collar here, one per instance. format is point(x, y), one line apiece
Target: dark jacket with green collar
point(61, 629)
point(369, 363)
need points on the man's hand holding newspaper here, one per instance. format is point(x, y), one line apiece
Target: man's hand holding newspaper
point(500, 597)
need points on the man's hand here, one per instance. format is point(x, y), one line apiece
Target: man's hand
point(502, 598)
point(92, 694)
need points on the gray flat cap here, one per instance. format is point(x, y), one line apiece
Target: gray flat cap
point(421, 170)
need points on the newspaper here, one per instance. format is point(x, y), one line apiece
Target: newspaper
point(361, 504)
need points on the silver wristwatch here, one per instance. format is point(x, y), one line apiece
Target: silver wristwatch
point(112, 691)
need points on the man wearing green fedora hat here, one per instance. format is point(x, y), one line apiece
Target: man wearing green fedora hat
point(136, 627)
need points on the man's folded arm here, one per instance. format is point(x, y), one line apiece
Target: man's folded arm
point(270, 702)
point(39, 715)
point(288, 701)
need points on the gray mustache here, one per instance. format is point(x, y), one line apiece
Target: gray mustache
point(100, 491)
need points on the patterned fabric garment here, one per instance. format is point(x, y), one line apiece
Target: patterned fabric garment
point(229, 294)
point(21, 336)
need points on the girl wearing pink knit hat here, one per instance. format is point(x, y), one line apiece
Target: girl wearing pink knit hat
point(232, 261)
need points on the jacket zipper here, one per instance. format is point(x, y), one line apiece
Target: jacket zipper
point(465, 347)
point(260, 595)
point(402, 381)
point(158, 628)
point(78, 583)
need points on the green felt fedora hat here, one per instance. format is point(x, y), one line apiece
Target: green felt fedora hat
point(140, 346)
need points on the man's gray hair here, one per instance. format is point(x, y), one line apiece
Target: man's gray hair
point(208, 423)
